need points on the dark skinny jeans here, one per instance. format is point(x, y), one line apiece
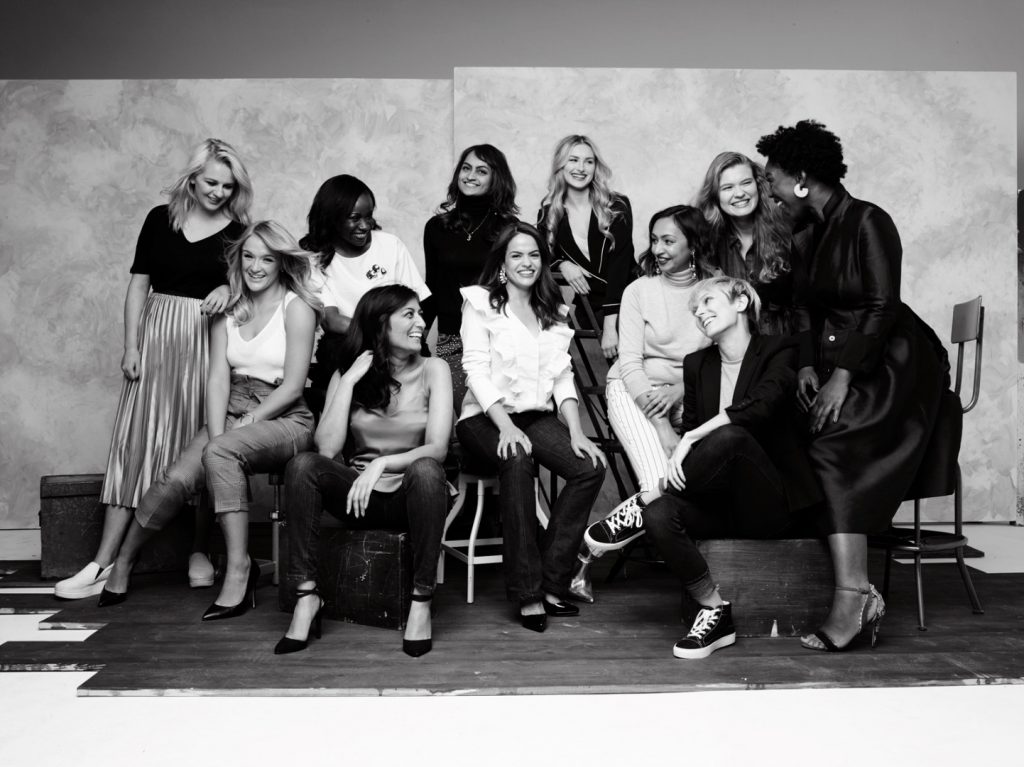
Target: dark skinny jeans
point(733, 490)
point(315, 483)
point(531, 570)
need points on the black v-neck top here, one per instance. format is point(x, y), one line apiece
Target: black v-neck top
point(176, 266)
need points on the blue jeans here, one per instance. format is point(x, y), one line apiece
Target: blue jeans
point(532, 569)
point(314, 483)
point(733, 490)
point(223, 464)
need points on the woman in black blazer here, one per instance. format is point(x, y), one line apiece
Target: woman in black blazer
point(589, 231)
point(739, 469)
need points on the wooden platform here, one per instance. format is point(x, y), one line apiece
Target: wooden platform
point(155, 644)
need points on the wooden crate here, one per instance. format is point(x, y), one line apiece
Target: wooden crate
point(365, 576)
point(71, 523)
point(788, 582)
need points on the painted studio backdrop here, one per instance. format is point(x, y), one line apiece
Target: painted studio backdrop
point(82, 162)
point(936, 150)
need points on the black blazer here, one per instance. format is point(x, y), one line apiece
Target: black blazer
point(613, 266)
point(763, 403)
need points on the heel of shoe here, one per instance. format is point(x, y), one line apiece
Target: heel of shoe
point(318, 623)
point(286, 644)
point(875, 622)
point(414, 648)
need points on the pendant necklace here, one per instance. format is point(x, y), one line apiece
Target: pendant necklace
point(469, 234)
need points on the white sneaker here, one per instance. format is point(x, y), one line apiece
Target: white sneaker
point(87, 582)
point(200, 571)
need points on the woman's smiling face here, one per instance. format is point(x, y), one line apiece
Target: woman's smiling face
point(522, 262)
point(737, 191)
point(260, 267)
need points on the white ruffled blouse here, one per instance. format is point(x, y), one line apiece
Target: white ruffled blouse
point(505, 363)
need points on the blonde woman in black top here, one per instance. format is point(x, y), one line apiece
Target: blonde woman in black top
point(589, 230)
point(179, 280)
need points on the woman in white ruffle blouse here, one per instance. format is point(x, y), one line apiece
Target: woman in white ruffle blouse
point(515, 342)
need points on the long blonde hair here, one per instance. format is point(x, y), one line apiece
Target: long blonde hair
point(601, 195)
point(771, 234)
point(296, 266)
point(182, 192)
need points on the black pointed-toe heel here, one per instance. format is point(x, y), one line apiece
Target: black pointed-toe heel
point(560, 609)
point(110, 598)
point(417, 647)
point(537, 622)
point(286, 644)
point(216, 612)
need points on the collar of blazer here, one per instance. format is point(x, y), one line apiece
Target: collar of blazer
point(711, 376)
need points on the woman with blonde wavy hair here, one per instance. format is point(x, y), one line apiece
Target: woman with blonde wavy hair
point(178, 282)
point(256, 419)
point(588, 228)
point(750, 237)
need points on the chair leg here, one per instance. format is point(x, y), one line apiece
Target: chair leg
point(968, 583)
point(920, 593)
point(275, 535)
point(888, 572)
point(620, 562)
point(471, 548)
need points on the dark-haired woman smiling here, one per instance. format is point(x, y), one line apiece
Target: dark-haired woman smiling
point(481, 202)
point(518, 368)
point(870, 374)
point(355, 256)
point(393, 410)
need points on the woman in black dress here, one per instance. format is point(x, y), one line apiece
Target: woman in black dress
point(589, 231)
point(481, 202)
point(870, 372)
point(750, 236)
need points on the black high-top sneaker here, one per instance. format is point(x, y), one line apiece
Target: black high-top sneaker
point(711, 629)
point(622, 525)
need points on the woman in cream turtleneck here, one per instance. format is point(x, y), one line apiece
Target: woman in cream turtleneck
point(645, 385)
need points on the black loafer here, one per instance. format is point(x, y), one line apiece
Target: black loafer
point(560, 609)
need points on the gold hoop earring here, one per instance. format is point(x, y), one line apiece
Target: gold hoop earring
point(800, 190)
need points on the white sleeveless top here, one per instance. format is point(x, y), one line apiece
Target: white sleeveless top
point(263, 356)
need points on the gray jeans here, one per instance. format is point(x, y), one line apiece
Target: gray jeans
point(223, 464)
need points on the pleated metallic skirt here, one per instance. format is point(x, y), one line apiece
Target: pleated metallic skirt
point(159, 413)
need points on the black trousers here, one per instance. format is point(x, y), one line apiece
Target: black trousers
point(733, 490)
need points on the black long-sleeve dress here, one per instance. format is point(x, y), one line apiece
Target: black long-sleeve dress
point(850, 315)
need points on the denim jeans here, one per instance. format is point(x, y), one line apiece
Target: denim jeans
point(223, 464)
point(314, 483)
point(532, 569)
point(733, 490)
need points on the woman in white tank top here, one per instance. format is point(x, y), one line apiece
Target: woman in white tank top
point(256, 419)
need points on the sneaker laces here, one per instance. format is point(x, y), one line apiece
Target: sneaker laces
point(630, 514)
point(705, 621)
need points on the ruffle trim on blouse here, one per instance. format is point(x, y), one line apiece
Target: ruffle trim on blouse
point(553, 352)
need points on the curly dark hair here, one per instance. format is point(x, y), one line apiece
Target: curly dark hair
point(369, 331)
point(807, 146)
point(502, 193)
point(332, 205)
point(693, 226)
point(545, 298)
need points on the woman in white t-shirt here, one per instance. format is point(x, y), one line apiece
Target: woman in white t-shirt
point(355, 256)
point(256, 418)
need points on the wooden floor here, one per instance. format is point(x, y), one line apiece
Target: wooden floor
point(155, 644)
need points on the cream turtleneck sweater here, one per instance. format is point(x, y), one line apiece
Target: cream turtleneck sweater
point(656, 330)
